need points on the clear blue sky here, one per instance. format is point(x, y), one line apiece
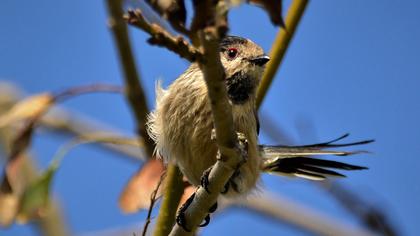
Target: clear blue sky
point(354, 66)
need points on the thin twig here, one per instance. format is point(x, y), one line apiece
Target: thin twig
point(62, 121)
point(152, 204)
point(24, 135)
point(280, 46)
point(162, 38)
point(87, 89)
point(134, 90)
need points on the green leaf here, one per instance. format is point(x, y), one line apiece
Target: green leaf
point(36, 196)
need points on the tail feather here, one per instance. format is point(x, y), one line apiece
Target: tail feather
point(308, 175)
point(295, 160)
point(330, 144)
point(314, 169)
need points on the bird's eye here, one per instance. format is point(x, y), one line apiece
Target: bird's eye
point(232, 53)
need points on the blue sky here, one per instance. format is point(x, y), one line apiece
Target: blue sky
point(353, 66)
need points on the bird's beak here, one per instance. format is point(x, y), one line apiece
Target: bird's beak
point(260, 60)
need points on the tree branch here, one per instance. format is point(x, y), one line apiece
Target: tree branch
point(280, 46)
point(162, 38)
point(174, 189)
point(134, 90)
point(63, 121)
point(285, 210)
point(153, 199)
point(371, 216)
point(230, 153)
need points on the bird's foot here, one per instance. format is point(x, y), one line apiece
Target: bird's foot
point(243, 149)
point(180, 218)
point(232, 183)
point(205, 180)
point(207, 219)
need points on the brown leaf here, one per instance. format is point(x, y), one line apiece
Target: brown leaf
point(273, 8)
point(27, 108)
point(9, 206)
point(136, 194)
point(22, 140)
point(14, 179)
point(11, 189)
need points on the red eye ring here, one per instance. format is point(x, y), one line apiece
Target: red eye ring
point(232, 53)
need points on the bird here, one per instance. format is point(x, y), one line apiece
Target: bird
point(182, 125)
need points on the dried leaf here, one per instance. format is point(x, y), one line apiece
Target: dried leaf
point(12, 187)
point(27, 108)
point(137, 192)
point(273, 8)
point(13, 182)
point(9, 205)
point(22, 141)
point(36, 196)
point(14, 178)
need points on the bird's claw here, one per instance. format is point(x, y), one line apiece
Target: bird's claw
point(243, 152)
point(226, 188)
point(205, 180)
point(206, 221)
point(213, 208)
point(180, 218)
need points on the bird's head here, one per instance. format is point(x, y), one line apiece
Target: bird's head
point(244, 62)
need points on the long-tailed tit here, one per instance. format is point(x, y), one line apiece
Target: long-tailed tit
point(182, 124)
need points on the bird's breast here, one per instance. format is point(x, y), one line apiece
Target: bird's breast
point(240, 88)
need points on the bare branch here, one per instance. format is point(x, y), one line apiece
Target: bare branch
point(162, 38)
point(63, 121)
point(280, 46)
point(230, 152)
point(134, 90)
point(173, 11)
point(285, 210)
point(152, 203)
point(24, 135)
point(174, 190)
point(369, 215)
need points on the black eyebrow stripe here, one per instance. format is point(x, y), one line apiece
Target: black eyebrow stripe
point(231, 40)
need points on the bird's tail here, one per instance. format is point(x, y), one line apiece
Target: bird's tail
point(297, 160)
